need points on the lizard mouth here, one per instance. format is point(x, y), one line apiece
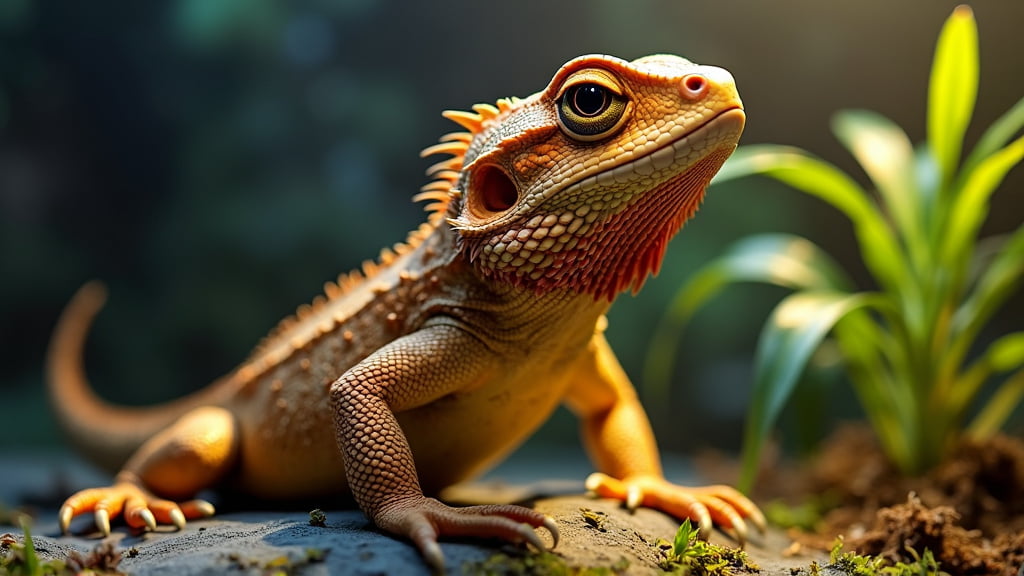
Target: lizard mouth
point(721, 130)
point(684, 150)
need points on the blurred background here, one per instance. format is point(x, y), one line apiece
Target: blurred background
point(214, 162)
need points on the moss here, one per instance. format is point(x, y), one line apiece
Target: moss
point(853, 564)
point(688, 555)
point(318, 518)
point(594, 519)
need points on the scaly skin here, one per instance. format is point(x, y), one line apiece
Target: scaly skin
point(439, 359)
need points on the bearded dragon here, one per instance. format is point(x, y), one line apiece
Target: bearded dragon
point(444, 354)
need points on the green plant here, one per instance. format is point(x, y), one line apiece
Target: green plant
point(853, 564)
point(689, 555)
point(905, 344)
point(22, 560)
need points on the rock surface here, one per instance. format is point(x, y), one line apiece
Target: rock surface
point(256, 542)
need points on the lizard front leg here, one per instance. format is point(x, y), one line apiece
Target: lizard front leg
point(189, 456)
point(619, 439)
point(409, 372)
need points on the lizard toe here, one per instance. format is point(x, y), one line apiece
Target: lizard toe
point(136, 506)
point(425, 520)
point(707, 506)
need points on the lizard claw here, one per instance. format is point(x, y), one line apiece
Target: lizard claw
point(706, 506)
point(423, 520)
point(103, 521)
point(138, 507)
point(552, 528)
point(634, 497)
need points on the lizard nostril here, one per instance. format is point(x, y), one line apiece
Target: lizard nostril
point(693, 86)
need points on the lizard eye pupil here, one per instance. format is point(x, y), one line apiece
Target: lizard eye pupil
point(589, 100)
point(590, 111)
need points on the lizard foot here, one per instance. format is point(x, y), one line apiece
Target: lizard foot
point(138, 506)
point(707, 505)
point(423, 520)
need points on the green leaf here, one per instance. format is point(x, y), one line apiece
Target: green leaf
point(997, 135)
point(32, 564)
point(970, 207)
point(794, 331)
point(779, 259)
point(884, 151)
point(683, 537)
point(1007, 353)
point(881, 251)
point(876, 364)
point(1004, 355)
point(952, 89)
point(993, 287)
point(999, 407)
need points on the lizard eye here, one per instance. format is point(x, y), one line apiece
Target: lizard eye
point(589, 111)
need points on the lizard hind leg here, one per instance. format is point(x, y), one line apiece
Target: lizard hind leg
point(191, 455)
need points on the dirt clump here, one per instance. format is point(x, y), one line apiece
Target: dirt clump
point(969, 510)
point(903, 532)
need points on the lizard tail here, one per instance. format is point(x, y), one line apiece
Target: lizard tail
point(105, 433)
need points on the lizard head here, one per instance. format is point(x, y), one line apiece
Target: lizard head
point(580, 186)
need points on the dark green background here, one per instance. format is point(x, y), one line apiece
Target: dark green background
point(216, 161)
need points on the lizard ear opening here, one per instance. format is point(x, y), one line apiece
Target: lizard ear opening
point(491, 191)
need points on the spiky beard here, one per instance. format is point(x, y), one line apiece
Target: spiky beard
point(617, 251)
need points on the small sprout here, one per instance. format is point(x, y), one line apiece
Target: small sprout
point(688, 554)
point(317, 517)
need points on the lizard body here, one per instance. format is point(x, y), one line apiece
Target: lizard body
point(442, 356)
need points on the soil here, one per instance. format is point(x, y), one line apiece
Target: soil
point(969, 511)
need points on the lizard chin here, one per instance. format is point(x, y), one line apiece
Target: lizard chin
point(586, 252)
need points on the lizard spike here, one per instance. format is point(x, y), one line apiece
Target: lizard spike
point(347, 281)
point(436, 185)
point(486, 111)
point(370, 268)
point(303, 312)
point(457, 137)
point(449, 175)
point(386, 256)
point(468, 120)
point(331, 290)
point(437, 194)
point(449, 164)
point(505, 104)
point(455, 148)
point(458, 223)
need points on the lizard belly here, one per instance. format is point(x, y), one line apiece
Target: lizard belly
point(288, 447)
point(462, 435)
